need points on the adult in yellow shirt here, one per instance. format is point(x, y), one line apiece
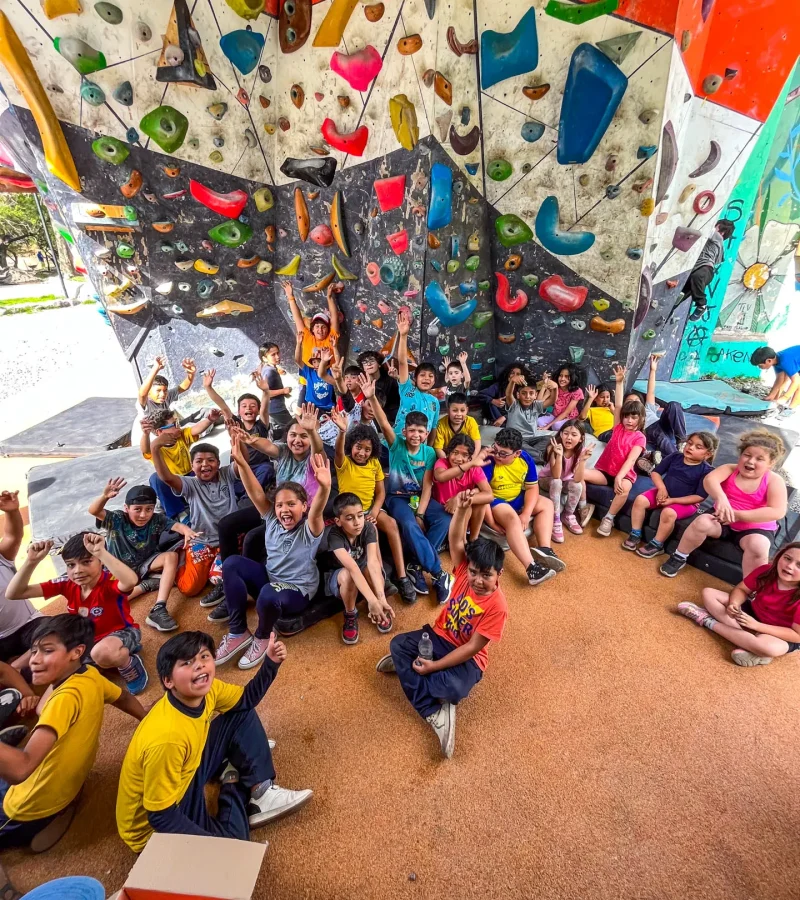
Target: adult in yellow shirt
point(39, 782)
point(178, 749)
point(457, 421)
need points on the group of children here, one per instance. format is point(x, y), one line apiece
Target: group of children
point(367, 453)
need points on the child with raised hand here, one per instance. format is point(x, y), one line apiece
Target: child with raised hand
point(39, 783)
point(271, 373)
point(565, 395)
point(96, 587)
point(475, 615)
point(322, 333)
point(457, 378)
point(460, 470)
point(761, 615)
point(511, 474)
point(177, 750)
point(664, 428)
point(410, 479)
point(495, 394)
point(359, 472)
point(155, 394)
point(417, 397)
point(749, 499)
point(565, 467)
point(523, 411)
point(291, 578)
point(598, 410)
point(371, 364)
point(353, 540)
point(132, 535)
point(678, 491)
point(616, 464)
point(457, 421)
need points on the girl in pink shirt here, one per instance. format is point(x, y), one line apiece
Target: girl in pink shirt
point(461, 470)
point(761, 615)
point(566, 459)
point(615, 467)
point(566, 395)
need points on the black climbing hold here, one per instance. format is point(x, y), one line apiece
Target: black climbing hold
point(315, 171)
point(265, 74)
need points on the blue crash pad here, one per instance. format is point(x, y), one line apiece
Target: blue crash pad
point(706, 396)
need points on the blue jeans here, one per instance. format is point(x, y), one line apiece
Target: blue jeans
point(172, 504)
point(437, 523)
point(415, 541)
point(664, 434)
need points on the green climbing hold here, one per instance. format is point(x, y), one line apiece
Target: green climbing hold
point(125, 250)
point(649, 334)
point(230, 234)
point(479, 319)
point(453, 265)
point(472, 263)
point(130, 213)
point(80, 54)
point(263, 199)
point(66, 235)
point(499, 169)
point(166, 126)
point(215, 156)
point(93, 94)
point(484, 285)
point(512, 230)
point(479, 345)
point(530, 280)
point(444, 349)
point(110, 150)
point(578, 13)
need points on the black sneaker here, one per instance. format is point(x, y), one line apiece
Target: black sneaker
point(213, 597)
point(407, 592)
point(672, 566)
point(442, 584)
point(350, 627)
point(547, 557)
point(149, 584)
point(537, 574)
point(160, 619)
point(417, 579)
point(631, 542)
point(650, 550)
point(389, 588)
point(219, 614)
point(697, 313)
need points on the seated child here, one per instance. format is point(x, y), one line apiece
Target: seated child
point(290, 580)
point(457, 421)
point(664, 428)
point(18, 618)
point(565, 395)
point(460, 470)
point(511, 474)
point(132, 535)
point(322, 333)
point(319, 389)
point(96, 587)
point(177, 750)
point(371, 364)
point(749, 499)
point(523, 412)
point(761, 615)
point(678, 491)
point(417, 397)
point(475, 614)
point(359, 472)
point(155, 394)
point(565, 467)
point(495, 395)
point(457, 378)
point(211, 495)
point(410, 478)
point(269, 355)
point(616, 464)
point(786, 388)
point(39, 782)
point(598, 410)
point(175, 443)
point(353, 540)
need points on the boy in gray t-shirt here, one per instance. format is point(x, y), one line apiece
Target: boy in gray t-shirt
point(523, 409)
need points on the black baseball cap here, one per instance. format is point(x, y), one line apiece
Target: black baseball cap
point(140, 493)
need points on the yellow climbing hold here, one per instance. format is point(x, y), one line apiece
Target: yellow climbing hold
point(291, 268)
point(55, 8)
point(264, 267)
point(342, 273)
point(756, 276)
point(601, 305)
point(647, 206)
point(269, 128)
point(333, 25)
point(263, 199)
point(403, 115)
point(206, 268)
point(224, 308)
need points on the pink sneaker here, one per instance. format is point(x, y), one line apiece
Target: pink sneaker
point(558, 532)
point(254, 654)
point(572, 523)
point(230, 645)
point(697, 614)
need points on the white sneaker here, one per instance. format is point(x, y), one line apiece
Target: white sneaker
point(275, 803)
point(386, 664)
point(443, 722)
point(746, 658)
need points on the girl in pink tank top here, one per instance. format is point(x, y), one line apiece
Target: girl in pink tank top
point(741, 500)
point(564, 470)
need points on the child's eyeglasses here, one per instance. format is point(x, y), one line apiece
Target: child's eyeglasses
point(501, 454)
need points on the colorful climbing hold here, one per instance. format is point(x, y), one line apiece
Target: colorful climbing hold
point(398, 241)
point(443, 88)
point(230, 234)
point(263, 199)
point(92, 94)
point(264, 267)
point(645, 152)
point(390, 192)
point(216, 157)
point(552, 238)
point(512, 230)
point(484, 285)
point(243, 48)
point(535, 91)
point(634, 253)
point(598, 323)
point(403, 116)
point(297, 95)
point(229, 205)
point(601, 305)
point(441, 308)
point(358, 69)
point(565, 298)
point(353, 143)
point(225, 308)
point(503, 296)
point(112, 150)
point(247, 9)
point(618, 48)
point(453, 265)
point(532, 131)
point(499, 169)
point(648, 335)
point(204, 267)
point(393, 274)
point(342, 273)
point(530, 280)
point(579, 13)
point(319, 172)
point(685, 238)
point(374, 12)
point(505, 55)
point(441, 197)
point(470, 47)
point(80, 55)
point(406, 46)
point(463, 146)
point(481, 318)
point(291, 268)
point(472, 263)
point(337, 223)
point(217, 110)
point(711, 84)
point(373, 273)
point(472, 168)
point(669, 160)
point(647, 206)
point(704, 203)
point(166, 126)
point(467, 287)
point(710, 162)
point(322, 235)
point(125, 250)
point(123, 93)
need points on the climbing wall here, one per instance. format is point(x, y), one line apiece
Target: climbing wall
point(532, 179)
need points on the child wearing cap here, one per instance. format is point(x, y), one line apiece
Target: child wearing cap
point(133, 535)
point(322, 332)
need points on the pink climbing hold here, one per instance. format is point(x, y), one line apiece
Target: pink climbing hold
point(503, 296)
point(353, 143)
point(384, 307)
point(358, 69)
point(390, 192)
point(374, 273)
point(322, 235)
point(398, 241)
point(564, 297)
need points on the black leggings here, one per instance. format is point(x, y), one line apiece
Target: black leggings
point(234, 528)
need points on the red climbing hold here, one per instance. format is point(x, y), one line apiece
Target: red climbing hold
point(353, 143)
point(229, 205)
point(322, 235)
point(565, 298)
point(398, 241)
point(390, 192)
point(704, 202)
point(503, 298)
point(672, 283)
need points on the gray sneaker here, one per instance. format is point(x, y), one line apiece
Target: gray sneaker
point(160, 619)
point(443, 722)
point(386, 665)
point(585, 513)
point(213, 597)
point(606, 526)
point(219, 614)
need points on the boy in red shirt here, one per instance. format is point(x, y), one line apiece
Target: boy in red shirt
point(475, 614)
point(96, 586)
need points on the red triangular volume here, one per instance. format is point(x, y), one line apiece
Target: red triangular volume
point(390, 192)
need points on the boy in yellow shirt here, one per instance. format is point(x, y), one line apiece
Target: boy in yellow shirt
point(39, 783)
point(177, 750)
point(457, 421)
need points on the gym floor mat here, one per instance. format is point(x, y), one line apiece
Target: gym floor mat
point(706, 397)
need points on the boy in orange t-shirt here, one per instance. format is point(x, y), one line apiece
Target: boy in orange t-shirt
point(475, 614)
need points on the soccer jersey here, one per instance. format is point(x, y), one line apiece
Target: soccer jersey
point(509, 481)
point(360, 480)
point(106, 605)
point(407, 470)
point(445, 432)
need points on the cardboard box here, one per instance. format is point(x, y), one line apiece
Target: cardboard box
point(186, 867)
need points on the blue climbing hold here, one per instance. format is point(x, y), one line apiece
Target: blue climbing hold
point(436, 265)
point(455, 246)
point(441, 308)
point(243, 48)
point(472, 168)
point(131, 135)
point(550, 236)
point(468, 287)
point(504, 55)
point(532, 131)
point(594, 89)
point(645, 152)
point(440, 210)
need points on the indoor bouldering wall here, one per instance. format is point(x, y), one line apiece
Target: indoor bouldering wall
point(533, 180)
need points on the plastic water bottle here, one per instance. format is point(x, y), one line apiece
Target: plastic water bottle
point(425, 648)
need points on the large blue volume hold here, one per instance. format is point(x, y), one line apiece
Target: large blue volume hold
point(441, 308)
point(440, 210)
point(550, 236)
point(594, 89)
point(243, 48)
point(504, 55)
